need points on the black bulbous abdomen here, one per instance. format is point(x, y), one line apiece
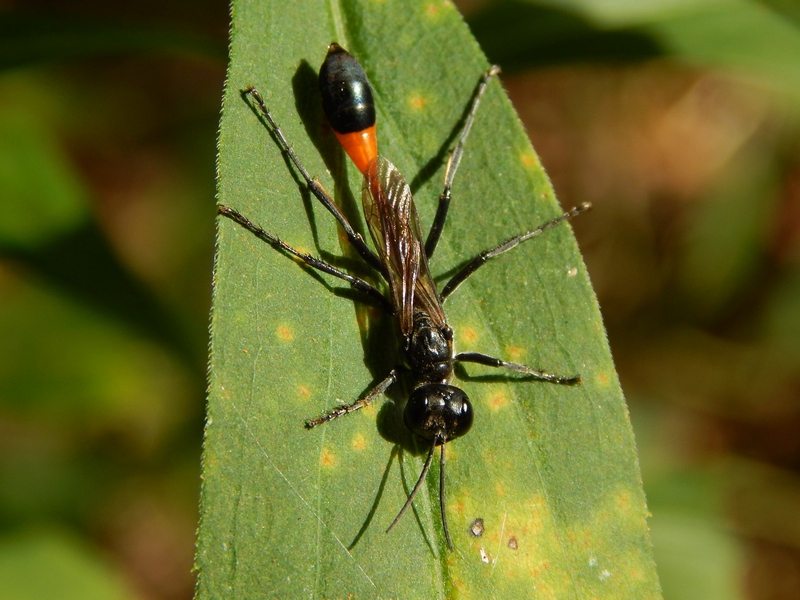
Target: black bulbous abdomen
point(346, 93)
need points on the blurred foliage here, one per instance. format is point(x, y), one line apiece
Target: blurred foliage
point(677, 118)
point(52, 565)
point(690, 154)
point(107, 122)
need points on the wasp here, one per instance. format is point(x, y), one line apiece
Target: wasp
point(436, 411)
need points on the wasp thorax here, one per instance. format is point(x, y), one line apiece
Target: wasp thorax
point(430, 351)
point(437, 411)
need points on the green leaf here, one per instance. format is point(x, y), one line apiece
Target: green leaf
point(550, 469)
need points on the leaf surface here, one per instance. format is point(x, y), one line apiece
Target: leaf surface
point(551, 470)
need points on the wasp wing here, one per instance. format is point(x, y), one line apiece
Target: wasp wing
point(394, 225)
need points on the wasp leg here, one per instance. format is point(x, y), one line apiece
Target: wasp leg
point(454, 161)
point(491, 361)
point(355, 239)
point(346, 409)
point(357, 283)
point(509, 244)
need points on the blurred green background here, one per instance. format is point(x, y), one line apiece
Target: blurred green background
point(678, 119)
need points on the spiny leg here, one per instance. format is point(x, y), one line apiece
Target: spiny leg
point(491, 361)
point(357, 283)
point(509, 244)
point(346, 409)
point(454, 161)
point(316, 188)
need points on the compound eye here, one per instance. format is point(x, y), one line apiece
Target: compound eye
point(438, 411)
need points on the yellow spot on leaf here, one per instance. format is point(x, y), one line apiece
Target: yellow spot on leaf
point(418, 102)
point(528, 159)
point(359, 442)
point(452, 452)
point(432, 10)
point(515, 352)
point(327, 458)
point(498, 400)
point(304, 392)
point(284, 333)
point(535, 515)
point(637, 575)
point(624, 500)
point(602, 379)
point(500, 489)
point(541, 568)
point(469, 335)
point(458, 507)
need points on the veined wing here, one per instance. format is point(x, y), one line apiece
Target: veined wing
point(394, 225)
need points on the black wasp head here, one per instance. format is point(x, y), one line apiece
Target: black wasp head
point(436, 412)
point(439, 412)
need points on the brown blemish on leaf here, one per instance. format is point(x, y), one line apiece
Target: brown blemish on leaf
point(476, 527)
point(284, 333)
